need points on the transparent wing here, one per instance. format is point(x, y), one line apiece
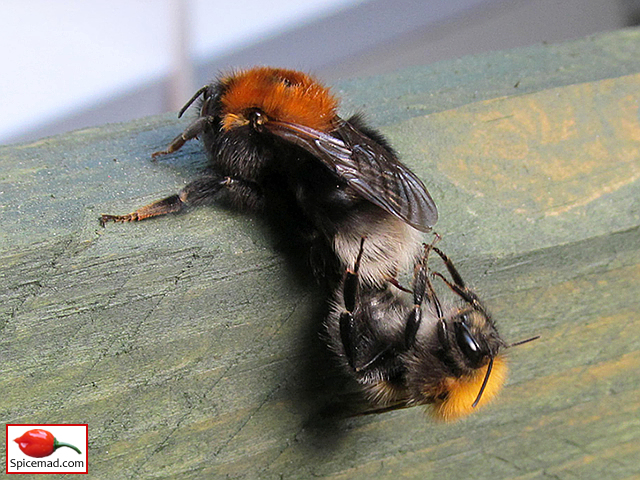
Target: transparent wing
point(369, 168)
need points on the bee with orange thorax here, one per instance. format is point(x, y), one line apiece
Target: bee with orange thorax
point(407, 353)
point(273, 136)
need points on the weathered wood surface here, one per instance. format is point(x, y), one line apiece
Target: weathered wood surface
point(190, 346)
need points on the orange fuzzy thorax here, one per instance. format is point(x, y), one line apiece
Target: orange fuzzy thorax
point(283, 95)
point(463, 391)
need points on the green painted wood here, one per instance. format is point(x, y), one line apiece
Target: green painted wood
point(190, 344)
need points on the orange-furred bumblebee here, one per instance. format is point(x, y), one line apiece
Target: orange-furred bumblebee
point(406, 353)
point(273, 133)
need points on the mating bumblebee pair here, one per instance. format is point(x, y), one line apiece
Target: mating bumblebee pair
point(273, 136)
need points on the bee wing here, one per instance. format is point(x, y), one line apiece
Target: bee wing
point(369, 168)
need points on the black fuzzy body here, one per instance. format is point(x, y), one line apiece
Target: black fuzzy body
point(253, 169)
point(407, 348)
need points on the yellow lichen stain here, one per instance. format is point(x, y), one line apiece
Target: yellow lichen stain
point(629, 123)
point(551, 151)
point(629, 362)
point(594, 196)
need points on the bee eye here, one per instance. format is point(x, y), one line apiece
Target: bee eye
point(468, 344)
point(257, 118)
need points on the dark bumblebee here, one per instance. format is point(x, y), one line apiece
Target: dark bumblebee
point(407, 353)
point(273, 137)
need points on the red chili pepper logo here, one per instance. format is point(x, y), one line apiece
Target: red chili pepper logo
point(39, 443)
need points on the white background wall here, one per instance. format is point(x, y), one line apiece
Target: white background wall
point(72, 63)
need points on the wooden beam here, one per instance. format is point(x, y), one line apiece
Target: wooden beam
point(190, 344)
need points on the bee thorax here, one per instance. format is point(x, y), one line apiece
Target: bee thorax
point(391, 246)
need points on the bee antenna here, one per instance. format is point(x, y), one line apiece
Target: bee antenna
point(486, 376)
point(524, 341)
point(484, 384)
point(191, 100)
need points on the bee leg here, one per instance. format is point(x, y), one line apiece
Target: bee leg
point(349, 331)
point(422, 288)
point(209, 189)
point(353, 335)
point(191, 132)
point(457, 278)
point(202, 191)
point(161, 207)
point(458, 285)
point(394, 281)
point(415, 315)
point(348, 336)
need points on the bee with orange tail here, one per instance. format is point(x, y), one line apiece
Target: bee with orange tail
point(422, 352)
point(273, 137)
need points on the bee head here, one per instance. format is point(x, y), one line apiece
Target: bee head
point(472, 350)
point(471, 338)
point(475, 370)
point(275, 94)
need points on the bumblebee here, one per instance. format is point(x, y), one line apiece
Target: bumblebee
point(273, 137)
point(405, 353)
